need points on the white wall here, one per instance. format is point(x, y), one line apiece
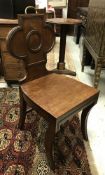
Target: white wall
point(64, 12)
point(41, 3)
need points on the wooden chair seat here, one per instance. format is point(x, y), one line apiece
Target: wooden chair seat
point(57, 94)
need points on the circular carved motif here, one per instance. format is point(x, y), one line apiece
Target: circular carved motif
point(15, 41)
point(34, 41)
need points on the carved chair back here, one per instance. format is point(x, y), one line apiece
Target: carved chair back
point(30, 41)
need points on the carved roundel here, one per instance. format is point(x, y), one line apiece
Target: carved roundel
point(34, 41)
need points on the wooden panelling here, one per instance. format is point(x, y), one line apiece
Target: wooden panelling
point(12, 68)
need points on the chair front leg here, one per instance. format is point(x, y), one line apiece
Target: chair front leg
point(23, 107)
point(49, 143)
point(84, 118)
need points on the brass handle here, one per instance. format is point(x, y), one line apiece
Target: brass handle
point(31, 9)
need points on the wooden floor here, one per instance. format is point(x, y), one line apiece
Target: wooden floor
point(53, 57)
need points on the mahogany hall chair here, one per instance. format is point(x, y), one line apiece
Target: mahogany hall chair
point(56, 97)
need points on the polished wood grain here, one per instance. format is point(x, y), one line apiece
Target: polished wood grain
point(55, 93)
point(64, 21)
point(55, 97)
point(8, 21)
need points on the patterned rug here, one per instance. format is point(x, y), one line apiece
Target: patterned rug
point(23, 152)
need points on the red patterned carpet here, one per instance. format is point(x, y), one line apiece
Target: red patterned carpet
point(23, 152)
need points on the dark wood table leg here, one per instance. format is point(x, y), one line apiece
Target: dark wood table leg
point(84, 118)
point(77, 33)
point(61, 64)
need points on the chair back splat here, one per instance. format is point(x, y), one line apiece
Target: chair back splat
point(30, 41)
